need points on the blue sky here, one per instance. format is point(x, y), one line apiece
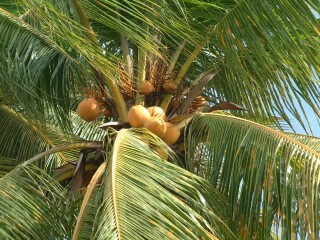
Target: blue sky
point(312, 119)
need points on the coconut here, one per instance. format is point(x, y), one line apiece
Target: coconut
point(156, 111)
point(88, 109)
point(156, 125)
point(138, 115)
point(146, 88)
point(172, 133)
point(169, 86)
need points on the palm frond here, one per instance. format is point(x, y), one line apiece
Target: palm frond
point(11, 6)
point(21, 139)
point(31, 206)
point(267, 52)
point(140, 21)
point(40, 71)
point(6, 165)
point(311, 141)
point(271, 180)
point(142, 196)
point(84, 130)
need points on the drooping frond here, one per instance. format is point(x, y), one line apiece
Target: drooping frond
point(268, 51)
point(29, 139)
point(12, 6)
point(40, 71)
point(310, 141)
point(32, 206)
point(6, 165)
point(148, 24)
point(271, 180)
point(21, 139)
point(142, 196)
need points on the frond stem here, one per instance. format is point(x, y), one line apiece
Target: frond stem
point(64, 147)
point(165, 103)
point(84, 22)
point(70, 172)
point(126, 54)
point(174, 58)
point(113, 179)
point(96, 177)
point(142, 61)
point(270, 130)
point(125, 51)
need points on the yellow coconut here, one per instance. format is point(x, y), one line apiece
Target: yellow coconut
point(156, 125)
point(88, 109)
point(172, 133)
point(138, 115)
point(156, 111)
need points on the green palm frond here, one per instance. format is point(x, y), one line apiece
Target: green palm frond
point(142, 196)
point(141, 21)
point(267, 52)
point(31, 206)
point(14, 7)
point(39, 70)
point(21, 139)
point(84, 130)
point(30, 139)
point(270, 179)
point(310, 141)
point(6, 165)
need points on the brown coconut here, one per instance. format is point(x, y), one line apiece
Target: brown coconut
point(169, 86)
point(88, 109)
point(138, 115)
point(156, 111)
point(156, 125)
point(107, 112)
point(172, 133)
point(146, 88)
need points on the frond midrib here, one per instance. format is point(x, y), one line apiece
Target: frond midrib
point(269, 130)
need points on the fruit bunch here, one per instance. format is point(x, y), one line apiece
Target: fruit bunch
point(154, 119)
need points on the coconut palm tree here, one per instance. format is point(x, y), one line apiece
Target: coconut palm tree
point(228, 75)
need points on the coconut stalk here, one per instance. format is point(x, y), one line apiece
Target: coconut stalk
point(125, 51)
point(126, 55)
point(174, 58)
point(165, 103)
point(141, 75)
point(107, 76)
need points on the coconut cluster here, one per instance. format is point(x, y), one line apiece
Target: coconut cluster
point(154, 119)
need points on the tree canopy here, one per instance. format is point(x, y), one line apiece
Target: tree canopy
point(228, 75)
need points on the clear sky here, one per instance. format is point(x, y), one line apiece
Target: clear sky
point(312, 120)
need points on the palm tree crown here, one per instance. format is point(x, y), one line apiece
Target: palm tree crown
point(80, 160)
